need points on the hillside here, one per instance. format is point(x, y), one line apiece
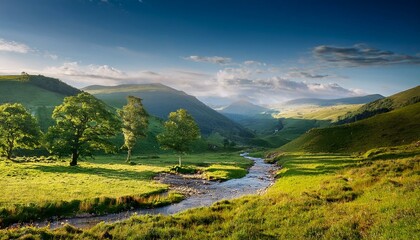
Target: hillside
point(159, 100)
point(39, 94)
point(332, 102)
point(327, 113)
point(387, 104)
point(401, 126)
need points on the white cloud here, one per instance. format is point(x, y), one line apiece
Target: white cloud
point(253, 63)
point(245, 83)
point(50, 56)
point(12, 46)
point(214, 59)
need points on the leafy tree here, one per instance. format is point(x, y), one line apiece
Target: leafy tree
point(179, 132)
point(134, 123)
point(18, 129)
point(83, 124)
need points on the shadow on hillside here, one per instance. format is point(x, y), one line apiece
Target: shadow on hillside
point(104, 172)
point(299, 167)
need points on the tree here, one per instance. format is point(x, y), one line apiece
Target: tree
point(134, 123)
point(18, 129)
point(179, 132)
point(83, 124)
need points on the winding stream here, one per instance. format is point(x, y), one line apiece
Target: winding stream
point(257, 180)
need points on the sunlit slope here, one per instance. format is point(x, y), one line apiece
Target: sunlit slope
point(387, 104)
point(159, 100)
point(38, 94)
point(397, 127)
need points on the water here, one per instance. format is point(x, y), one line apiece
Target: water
point(257, 180)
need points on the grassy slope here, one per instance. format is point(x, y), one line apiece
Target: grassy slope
point(387, 104)
point(318, 196)
point(397, 127)
point(38, 94)
point(48, 183)
point(329, 113)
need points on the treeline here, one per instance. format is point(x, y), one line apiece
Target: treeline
point(83, 125)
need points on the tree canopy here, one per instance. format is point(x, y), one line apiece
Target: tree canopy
point(18, 129)
point(180, 130)
point(134, 123)
point(83, 125)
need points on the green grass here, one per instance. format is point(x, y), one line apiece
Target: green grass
point(329, 113)
point(317, 196)
point(104, 184)
point(401, 126)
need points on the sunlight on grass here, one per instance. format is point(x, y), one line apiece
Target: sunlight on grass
point(34, 188)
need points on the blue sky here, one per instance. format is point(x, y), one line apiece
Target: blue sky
point(219, 51)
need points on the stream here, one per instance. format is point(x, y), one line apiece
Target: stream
point(259, 177)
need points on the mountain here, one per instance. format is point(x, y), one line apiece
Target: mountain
point(331, 102)
point(387, 104)
point(397, 127)
point(159, 100)
point(244, 108)
point(39, 94)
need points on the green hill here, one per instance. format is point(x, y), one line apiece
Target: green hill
point(401, 126)
point(159, 100)
point(387, 104)
point(39, 94)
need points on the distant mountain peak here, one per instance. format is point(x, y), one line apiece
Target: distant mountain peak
point(244, 107)
point(159, 100)
point(331, 102)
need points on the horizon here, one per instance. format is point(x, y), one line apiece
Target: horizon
point(218, 51)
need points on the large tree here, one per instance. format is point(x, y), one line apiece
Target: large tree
point(18, 129)
point(179, 132)
point(134, 123)
point(83, 125)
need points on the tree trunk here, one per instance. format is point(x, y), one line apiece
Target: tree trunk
point(128, 155)
point(9, 154)
point(74, 156)
point(9, 150)
point(180, 160)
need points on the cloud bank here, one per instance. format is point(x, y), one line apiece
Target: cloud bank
point(361, 55)
point(228, 83)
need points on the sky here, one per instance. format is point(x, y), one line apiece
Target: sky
point(220, 51)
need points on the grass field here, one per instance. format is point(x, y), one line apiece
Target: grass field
point(30, 184)
point(317, 196)
point(329, 113)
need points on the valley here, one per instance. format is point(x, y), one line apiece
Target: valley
point(318, 166)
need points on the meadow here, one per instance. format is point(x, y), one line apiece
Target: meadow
point(328, 113)
point(37, 188)
point(375, 195)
